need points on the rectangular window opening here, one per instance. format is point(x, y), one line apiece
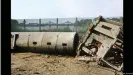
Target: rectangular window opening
point(64, 44)
point(48, 43)
point(96, 32)
point(106, 27)
point(34, 43)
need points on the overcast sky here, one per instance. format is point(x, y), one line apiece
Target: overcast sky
point(22, 9)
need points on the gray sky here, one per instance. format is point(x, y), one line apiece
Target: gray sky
point(23, 9)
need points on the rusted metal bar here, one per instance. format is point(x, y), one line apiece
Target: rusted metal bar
point(120, 40)
point(118, 47)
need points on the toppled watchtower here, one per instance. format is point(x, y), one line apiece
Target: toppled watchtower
point(104, 41)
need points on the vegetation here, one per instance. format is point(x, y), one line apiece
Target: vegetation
point(14, 25)
point(66, 29)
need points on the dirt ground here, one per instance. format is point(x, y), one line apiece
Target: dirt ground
point(44, 64)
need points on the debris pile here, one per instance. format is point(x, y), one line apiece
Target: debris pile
point(103, 43)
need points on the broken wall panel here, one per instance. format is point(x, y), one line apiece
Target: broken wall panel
point(114, 58)
point(104, 40)
point(102, 37)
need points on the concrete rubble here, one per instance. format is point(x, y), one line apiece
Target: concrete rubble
point(103, 43)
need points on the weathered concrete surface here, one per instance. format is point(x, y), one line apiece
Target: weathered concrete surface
point(59, 42)
point(43, 64)
point(113, 32)
point(23, 40)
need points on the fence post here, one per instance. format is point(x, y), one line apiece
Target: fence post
point(49, 27)
point(68, 26)
point(24, 22)
point(40, 25)
point(57, 23)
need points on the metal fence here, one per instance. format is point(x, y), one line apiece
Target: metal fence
point(54, 24)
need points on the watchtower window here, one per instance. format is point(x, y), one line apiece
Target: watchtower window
point(106, 27)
